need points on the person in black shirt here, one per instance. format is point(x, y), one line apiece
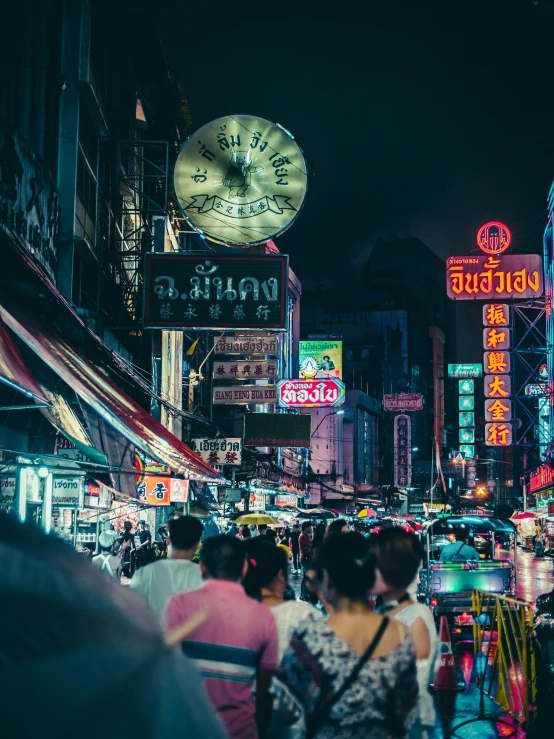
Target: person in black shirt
point(295, 547)
point(127, 546)
point(145, 550)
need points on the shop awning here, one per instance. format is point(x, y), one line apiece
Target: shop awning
point(111, 403)
point(14, 371)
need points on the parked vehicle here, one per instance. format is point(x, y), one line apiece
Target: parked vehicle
point(447, 587)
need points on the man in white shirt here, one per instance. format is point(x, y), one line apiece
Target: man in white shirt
point(159, 581)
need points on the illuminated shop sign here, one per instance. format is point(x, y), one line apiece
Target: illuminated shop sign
point(482, 278)
point(219, 292)
point(496, 314)
point(258, 344)
point(493, 238)
point(320, 359)
point(402, 451)
point(466, 387)
point(246, 370)
point(498, 434)
point(403, 402)
point(311, 393)
point(465, 370)
point(218, 451)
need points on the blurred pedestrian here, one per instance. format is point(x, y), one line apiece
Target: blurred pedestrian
point(267, 581)
point(306, 560)
point(253, 529)
point(237, 645)
point(295, 547)
point(245, 532)
point(338, 526)
point(398, 555)
point(271, 536)
point(355, 672)
point(319, 535)
point(158, 581)
point(106, 560)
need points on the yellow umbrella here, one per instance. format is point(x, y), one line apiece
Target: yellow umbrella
point(367, 513)
point(257, 518)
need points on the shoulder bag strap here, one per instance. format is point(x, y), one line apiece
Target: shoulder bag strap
point(317, 718)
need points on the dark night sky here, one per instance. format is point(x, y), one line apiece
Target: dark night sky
point(424, 122)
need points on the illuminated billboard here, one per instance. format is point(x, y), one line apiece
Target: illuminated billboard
point(310, 393)
point(498, 277)
point(320, 359)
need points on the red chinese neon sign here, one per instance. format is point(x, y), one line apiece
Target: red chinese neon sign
point(494, 238)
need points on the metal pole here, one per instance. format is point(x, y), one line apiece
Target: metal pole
point(524, 495)
point(432, 460)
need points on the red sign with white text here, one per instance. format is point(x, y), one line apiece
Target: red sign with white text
point(542, 477)
point(311, 393)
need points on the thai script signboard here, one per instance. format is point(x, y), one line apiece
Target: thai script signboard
point(267, 369)
point(68, 491)
point(465, 370)
point(218, 451)
point(244, 394)
point(240, 180)
point(403, 402)
point(542, 477)
point(482, 278)
point(320, 359)
point(222, 292)
point(259, 344)
point(402, 451)
point(311, 393)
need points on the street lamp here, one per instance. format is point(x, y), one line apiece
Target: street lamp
point(331, 413)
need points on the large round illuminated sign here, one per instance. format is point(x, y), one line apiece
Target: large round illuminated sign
point(494, 238)
point(240, 180)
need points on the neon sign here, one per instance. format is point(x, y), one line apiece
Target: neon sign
point(494, 237)
point(479, 278)
point(311, 393)
point(498, 434)
point(496, 314)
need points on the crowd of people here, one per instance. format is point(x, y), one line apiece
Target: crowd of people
point(358, 664)
point(268, 665)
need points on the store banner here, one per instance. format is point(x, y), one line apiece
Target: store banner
point(261, 343)
point(68, 491)
point(152, 480)
point(320, 359)
point(289, 500)
point(218, 451)
point(245, 394)
point(7, 489)
point(277, 430)
point(251, 369)
point(179, 491)
point(222, 292)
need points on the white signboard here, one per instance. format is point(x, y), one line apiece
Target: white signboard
point(259, 344)
point(179, 491)
point(67, 492)
point(267, 369)
point(218, 451)
point(245, 394)
point(7, 489)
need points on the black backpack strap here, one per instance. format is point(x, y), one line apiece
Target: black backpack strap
point(317, 718)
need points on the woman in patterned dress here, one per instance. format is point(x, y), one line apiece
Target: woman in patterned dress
point(355, 672)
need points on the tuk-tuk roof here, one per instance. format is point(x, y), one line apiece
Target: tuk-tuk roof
point(483, 523)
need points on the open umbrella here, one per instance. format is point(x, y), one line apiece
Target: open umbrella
point(523, 515)
point(367, 513)
point(85, 652)
point(256, 518)
point(315, 513)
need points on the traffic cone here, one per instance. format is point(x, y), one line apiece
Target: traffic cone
point(445, 686)
point(445, 677)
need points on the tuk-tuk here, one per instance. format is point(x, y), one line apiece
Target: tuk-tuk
point(446, 586)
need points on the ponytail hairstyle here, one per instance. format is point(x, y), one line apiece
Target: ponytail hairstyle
point(349, 564)
point(265, 562)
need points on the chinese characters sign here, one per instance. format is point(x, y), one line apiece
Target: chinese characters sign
point(244, 394)
point(320, 359)
point(466, 387)
point(496, 314)
point(246, 370)
point(498, 410)
point(498, 406)
point(402, 451)
point(259, 344)
point(403, 402)
point(223, 292)
point(498, 434)
point(311, 393)
point(153, 481)
point(498, 386)
point(218, 451)
point(465, 370)
point(497, 362)
point(240, 180)
point(479, 278)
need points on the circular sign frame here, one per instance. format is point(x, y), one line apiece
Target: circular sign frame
point(494, 237)
point(240, 180)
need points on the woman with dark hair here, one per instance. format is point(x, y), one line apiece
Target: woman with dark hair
point(319, 535)
point(338, 526)
point(398, 555)
point(245, 532)
point(354, 673)
point(267, 581)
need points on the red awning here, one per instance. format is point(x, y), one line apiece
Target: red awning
point(14, 371)
point(111, 403)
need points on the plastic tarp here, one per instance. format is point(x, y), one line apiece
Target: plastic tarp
point(14, 371)
point(111, 403)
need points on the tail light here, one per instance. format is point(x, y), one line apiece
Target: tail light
point(434, 602)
